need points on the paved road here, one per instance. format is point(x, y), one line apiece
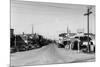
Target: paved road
point(49, 55)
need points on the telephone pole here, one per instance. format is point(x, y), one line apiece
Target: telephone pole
point(88, 14)
point(32, 29)
point(67, 30)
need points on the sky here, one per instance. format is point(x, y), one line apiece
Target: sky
point(49, 19)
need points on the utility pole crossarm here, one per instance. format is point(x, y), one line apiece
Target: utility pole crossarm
point(88, 12)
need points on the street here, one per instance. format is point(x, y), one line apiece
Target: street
point(49, 54)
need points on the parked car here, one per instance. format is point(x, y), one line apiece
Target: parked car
point(84, 46)
point(13, 50)
point(62, 43)
point(20, 44)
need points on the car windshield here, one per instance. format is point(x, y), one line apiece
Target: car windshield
point(76, 37)
point(85, 38)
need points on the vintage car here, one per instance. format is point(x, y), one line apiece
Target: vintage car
point(87, 44)
point(77, 43)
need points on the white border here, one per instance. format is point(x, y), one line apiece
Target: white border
point(4, 32)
